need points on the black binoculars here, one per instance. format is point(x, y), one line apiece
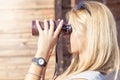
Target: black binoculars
point(66, 28)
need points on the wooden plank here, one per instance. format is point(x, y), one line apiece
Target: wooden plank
point(12, 67)
point(15, 74)
point(3, 74)
point(19, 74)
point(113, 1)
point(18, 36)
point(18, 66)
point(15, 42)
point(115, 10)
point(68, 4)
point(15, 60)
point(14, 14)
point(58, 9)
point(18, 21)
point(18, 44)
point(18, 52)
point(15, 53)
point(59, 50)
point(11, 43)
point(26, 4)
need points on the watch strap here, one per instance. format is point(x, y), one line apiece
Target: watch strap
point(36, 60)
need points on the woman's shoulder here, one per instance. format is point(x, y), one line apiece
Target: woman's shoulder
point(89, 75)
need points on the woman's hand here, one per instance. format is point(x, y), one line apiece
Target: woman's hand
point(47, 37)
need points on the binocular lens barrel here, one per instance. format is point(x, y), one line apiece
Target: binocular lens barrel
point(65, 27)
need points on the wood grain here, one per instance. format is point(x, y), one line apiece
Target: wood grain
point(18, 67)
point(17, 45)
point(26, 4)
point(19, 21)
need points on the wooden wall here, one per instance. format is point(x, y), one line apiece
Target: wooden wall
point(17, 45)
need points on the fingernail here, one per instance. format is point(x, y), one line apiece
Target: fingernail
point(46, 20)
point(62, 20)
point(36, 21)
point(58, 19)
point(50, 19)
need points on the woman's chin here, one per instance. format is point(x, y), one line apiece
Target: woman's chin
point(74, 52)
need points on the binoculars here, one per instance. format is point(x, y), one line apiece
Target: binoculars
point(66, 28)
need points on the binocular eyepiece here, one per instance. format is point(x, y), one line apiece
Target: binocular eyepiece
point(66, 28)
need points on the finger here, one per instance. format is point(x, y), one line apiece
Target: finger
point(51, 25)
point(45, 25)
point(38, 26)
point(58, 19)
point(59, 27)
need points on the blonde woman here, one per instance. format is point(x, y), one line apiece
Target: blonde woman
point(93, 42)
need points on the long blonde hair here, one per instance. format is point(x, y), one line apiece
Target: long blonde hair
point(100, 50)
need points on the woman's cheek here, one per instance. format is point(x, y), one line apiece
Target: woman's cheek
point(74, 44)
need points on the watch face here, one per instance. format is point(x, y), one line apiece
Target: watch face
point(41, 61)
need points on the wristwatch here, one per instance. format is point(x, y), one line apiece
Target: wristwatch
point(40, 61)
